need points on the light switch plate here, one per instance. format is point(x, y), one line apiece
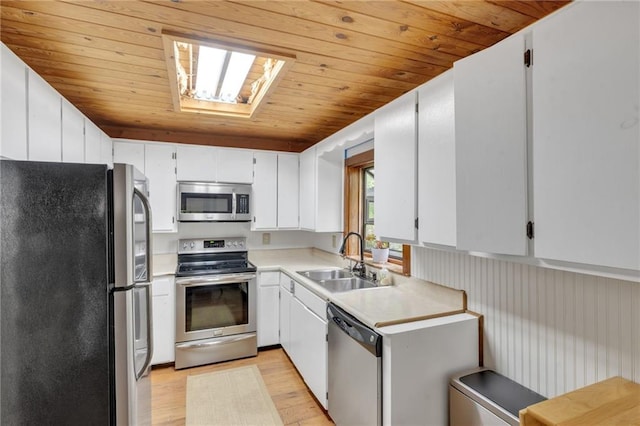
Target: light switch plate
point(266, 238)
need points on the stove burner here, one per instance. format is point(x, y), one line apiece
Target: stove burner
point(213, 264)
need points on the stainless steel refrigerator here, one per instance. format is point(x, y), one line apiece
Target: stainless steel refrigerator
point(75, 294)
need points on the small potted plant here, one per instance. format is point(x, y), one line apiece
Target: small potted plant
point(379, 249)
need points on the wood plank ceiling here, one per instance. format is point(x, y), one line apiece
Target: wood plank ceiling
point(352, 57)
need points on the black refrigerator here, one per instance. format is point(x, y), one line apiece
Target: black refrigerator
point(75, 295)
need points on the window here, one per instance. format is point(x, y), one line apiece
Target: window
point(360, 211)
point(368, 218)
point(215, 77)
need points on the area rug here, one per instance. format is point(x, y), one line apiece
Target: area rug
point(237, 396)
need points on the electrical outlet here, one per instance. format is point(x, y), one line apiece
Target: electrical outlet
point(334, 241)
point(266, 238)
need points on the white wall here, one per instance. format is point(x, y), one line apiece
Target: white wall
point(164, 243)
point(552, 331)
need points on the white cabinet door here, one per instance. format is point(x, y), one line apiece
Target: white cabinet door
point(106, 149)
point(235, 165)
point(395, 142)
point(164, 319)
point(288, 191)
point(45, 120)
point(129, 153)
point(92, 143)
point(309, 348)
point(491, 147)
point(437, 162)
point(197, 163)
point(160, 166)
point(308, 189)
point(265, 191)
point(14, 105)
point(328, 202)
point(268, 315)
point(586, 154)
point(72, 134)
point(285, 314)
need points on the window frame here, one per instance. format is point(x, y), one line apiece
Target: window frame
point(354, 212)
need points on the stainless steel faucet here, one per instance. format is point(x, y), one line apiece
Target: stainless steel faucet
point(359, 269)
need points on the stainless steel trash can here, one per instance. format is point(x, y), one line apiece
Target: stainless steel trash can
point(483, 397)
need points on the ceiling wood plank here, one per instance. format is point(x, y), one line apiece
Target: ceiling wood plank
point(479, 12)
point(330, 15)
point(107, 58)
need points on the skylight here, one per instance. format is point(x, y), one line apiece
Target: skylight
point(217, 78)
point(221, 74)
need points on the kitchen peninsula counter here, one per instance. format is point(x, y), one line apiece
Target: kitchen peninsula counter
point(408, 299)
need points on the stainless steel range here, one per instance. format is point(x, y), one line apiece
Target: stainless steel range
point(216, 294)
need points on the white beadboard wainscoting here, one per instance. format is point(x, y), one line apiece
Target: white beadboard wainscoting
point(549, 330)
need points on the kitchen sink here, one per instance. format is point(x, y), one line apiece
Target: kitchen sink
point(345, 284)
point(326, 274)
point(337, 280)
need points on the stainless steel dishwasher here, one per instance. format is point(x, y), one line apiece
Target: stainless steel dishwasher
point(355, 370)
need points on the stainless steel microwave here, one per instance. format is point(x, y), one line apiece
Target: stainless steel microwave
point(213, 202)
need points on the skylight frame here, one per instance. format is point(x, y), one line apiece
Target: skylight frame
point(280, 61)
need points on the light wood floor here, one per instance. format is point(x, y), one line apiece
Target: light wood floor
point(295, 403)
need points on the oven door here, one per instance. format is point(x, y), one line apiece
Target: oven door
point(215, 306)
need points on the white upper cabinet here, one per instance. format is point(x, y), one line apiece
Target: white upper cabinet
point(437, 162)
point(586, 135)
point(328, 194)
point(13, 75)
point(44, 120)
point(92, 143)
point(308, 189)
point(214, 164)
point(491, 148)
point(275, 191)
point(288, 190)
point(235, 165)
point(197, 163)
point(395, 142)
point(106, 149)
point(265, 191)
point(129, 153)
point(160, 169)
point(72, 134)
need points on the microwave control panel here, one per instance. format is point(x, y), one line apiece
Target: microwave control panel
point(243, 204)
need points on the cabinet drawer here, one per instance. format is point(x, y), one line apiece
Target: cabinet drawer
point(268, 278)
point(316, 304)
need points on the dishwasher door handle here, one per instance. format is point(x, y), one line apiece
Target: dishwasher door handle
point(355, 329)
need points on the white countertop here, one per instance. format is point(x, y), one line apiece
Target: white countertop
point(409, 299)
point(164, 264)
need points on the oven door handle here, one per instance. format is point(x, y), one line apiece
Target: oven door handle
point(221, 279)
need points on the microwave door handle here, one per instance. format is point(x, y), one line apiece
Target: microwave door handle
point(147, 208)
point(234, 207)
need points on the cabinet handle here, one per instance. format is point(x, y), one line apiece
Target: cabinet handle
point(292, 287)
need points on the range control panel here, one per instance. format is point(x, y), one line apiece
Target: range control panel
point(212, 245)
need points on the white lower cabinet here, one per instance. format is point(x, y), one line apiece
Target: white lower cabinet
point(418, 358)
point(309, 348)
point(303, 334)
point(286, 296)
point(268, 308)
point(164, 319)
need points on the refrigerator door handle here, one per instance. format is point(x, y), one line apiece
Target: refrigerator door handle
point(144, 370)
point(147, 208)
